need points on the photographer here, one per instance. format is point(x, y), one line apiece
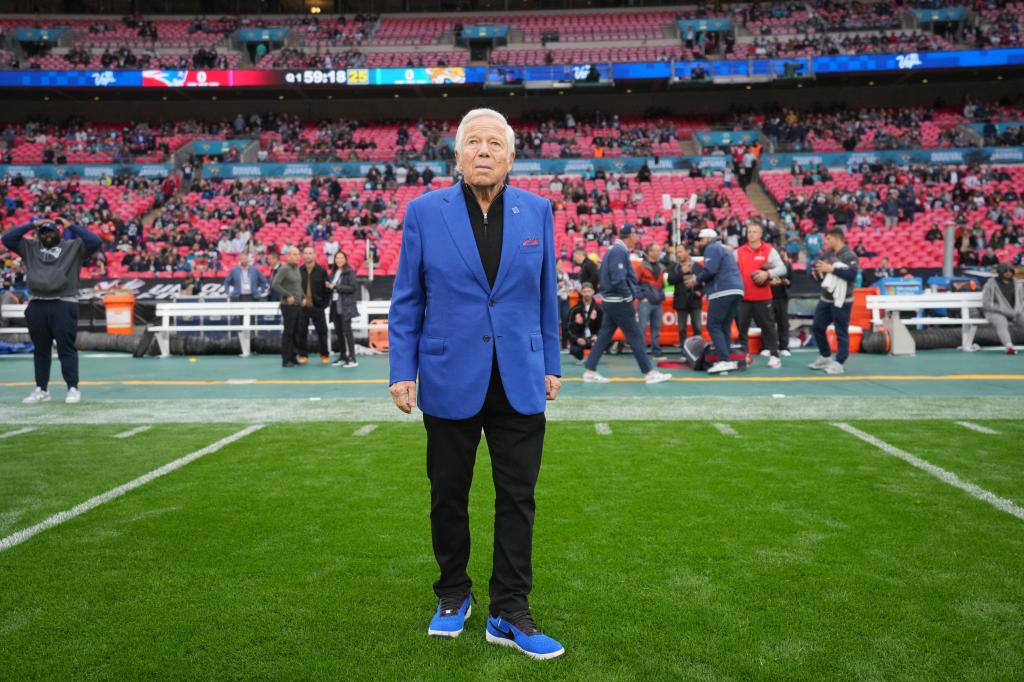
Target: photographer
point(52, 268)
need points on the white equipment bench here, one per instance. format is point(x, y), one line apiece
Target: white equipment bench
point(13, 311)
point(885, 311)
point(242, 318)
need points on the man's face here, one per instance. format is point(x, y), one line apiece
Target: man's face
point(273, 258)
point(682, 254)
point(588, 295)
point(654, 253)
point(833, 243)
point(630, 241)
point(49, 238)
point(703, 242)
point(484, 157)
point(243, 260)
point(578, 257)
point(754, 233)
point(1007, 274)
point(309, 255)
point(293, 257)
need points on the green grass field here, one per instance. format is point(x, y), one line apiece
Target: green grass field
point(666, 550)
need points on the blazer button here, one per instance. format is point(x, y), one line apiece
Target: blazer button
point(487, 338)
point(491, 302)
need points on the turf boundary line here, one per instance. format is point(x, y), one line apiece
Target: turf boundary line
point(948, 477)
point(133, 432)
point(60, 517)
point(570, 408)
point(17, 432)
point(365, 430)
point(978, 428)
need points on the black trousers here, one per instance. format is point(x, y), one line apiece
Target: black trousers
point(762, 312)
point(576, 350)
point(515, 442)
point(49, 321)
point(319, 318)
point(694, 314)
point(346, 339)
point(780, 309)
point(290, 319)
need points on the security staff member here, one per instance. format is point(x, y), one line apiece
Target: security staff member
point(52, 269)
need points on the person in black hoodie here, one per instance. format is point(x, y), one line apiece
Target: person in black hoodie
point(344, 286)
point(584, 321)
point(315, 297)
point(687, 302)
point(780, 302)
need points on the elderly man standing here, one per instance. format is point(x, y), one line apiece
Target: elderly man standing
point(474, 314)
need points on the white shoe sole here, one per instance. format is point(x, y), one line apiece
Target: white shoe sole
point(33, 401)
point(656, 381)
point(592, 380)
point(72, 401)
point(451, 634)
point(502, 641)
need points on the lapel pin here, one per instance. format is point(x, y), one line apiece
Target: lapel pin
point(515, 209)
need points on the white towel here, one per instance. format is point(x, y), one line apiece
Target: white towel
point(836, 286)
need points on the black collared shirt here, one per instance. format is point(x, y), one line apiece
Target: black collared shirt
point(488, 230)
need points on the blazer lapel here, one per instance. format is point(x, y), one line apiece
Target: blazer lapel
point(456, 217)
point(512, 232)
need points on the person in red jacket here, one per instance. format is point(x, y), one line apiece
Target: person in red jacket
point(759, 263)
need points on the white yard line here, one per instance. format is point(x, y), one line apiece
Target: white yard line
point(725, 429)
point(602, 429)
point(133, 432)
point(1000, 503)
point(365, 430)
point(979, 428)
point(59, 518)
point(17, 432)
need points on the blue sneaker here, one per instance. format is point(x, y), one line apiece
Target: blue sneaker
point(518, 631)
point(451, 616)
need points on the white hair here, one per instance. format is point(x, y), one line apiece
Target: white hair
point(510, 135)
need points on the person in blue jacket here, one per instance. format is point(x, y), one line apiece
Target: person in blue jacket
point(52, 268)
point(723, 286)
point(474, 317)
point(619, 287)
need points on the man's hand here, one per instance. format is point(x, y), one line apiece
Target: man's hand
point(404, 395)
point(552, 385)
point(291, 300)
point(690, 281)
point(760, 277)
point(821, 267)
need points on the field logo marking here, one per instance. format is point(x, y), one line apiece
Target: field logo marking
point(59, 518)
point(133, 432)
point(602, 429)
point(725, 429)
point(1000, 503)
point(979, 428)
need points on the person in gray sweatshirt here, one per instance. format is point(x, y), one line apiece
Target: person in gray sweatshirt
point(1002, 299)
point(288, 285)
point(52, 268)
point(836, 269)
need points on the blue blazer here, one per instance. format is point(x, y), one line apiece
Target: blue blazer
point(446, 322)
point(233, 282)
